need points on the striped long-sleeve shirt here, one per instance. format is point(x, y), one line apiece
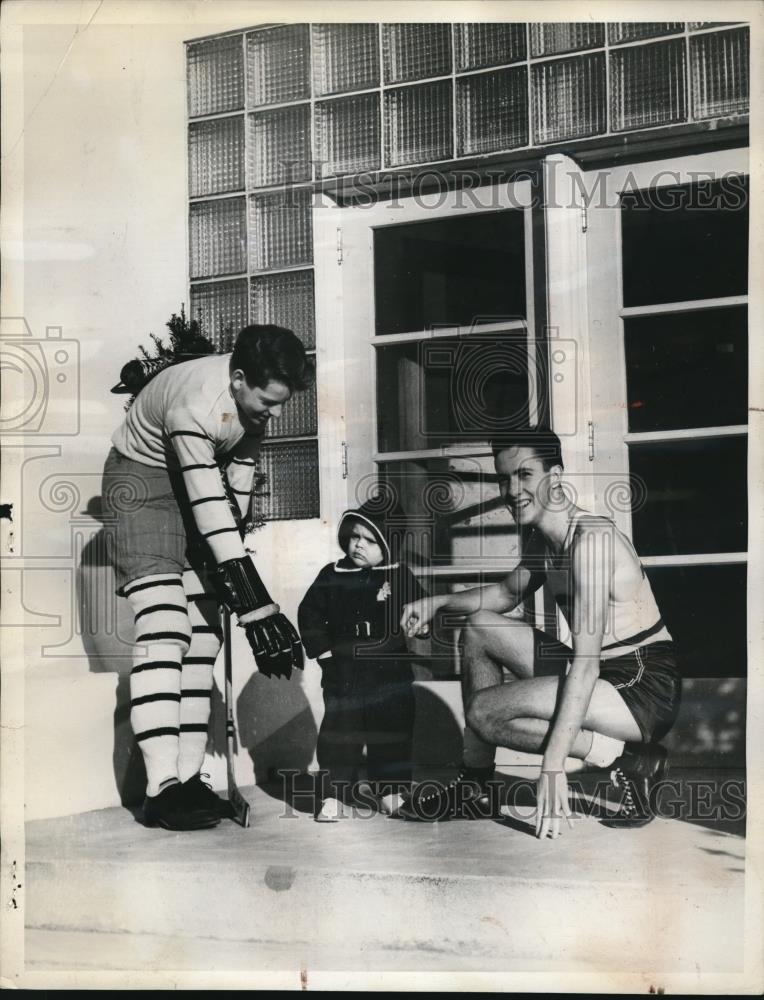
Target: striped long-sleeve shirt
point(187, 418)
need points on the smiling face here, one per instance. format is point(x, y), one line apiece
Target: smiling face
point(363, 547)
point(524, 484)
point(258, 405)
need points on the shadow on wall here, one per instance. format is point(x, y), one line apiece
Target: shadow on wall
point(274, 720)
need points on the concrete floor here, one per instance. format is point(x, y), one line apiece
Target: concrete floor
point(105, 893)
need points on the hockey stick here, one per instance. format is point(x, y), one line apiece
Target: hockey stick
point(239, 805)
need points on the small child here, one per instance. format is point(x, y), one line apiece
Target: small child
point(350, 621)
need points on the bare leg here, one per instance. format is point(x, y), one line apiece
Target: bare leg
point(517, 714)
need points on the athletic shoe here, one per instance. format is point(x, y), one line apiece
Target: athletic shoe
point(636, 773)
point(330, 811)
point(200, 794)
point(172, 810)
point(468, 796)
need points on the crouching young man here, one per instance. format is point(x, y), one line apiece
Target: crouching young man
point(177, 486)
point(609, 697)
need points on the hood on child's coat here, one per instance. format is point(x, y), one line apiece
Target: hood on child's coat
point(381, 516)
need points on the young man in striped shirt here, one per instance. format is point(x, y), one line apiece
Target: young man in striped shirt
point(178, 483)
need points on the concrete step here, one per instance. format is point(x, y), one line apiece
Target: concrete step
point(104, 892)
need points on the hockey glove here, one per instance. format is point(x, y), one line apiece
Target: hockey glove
point(273, 639)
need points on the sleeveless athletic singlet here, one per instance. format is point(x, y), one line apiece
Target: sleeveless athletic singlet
point(630, 624)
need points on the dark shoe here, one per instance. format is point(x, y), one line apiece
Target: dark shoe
point(468, 796)
point(636, 773)
point(200, 794)
point(172, 810)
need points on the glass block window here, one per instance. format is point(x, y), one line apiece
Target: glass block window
point(479, 46)
point(348, 135)
point(720, 73)
point(279, 146)
point(215, 156)
point(217, 237)
point(569, 98)
point(215, 76)
point(550, 39)
point(415, 51)
point(418, 124)
point(291, 469)
point(298, 417)
point(345, 57)
point(628, 31)
point(648, 85)
point(220, 308)
point(280, 229)
point(286, 300)
point(278, 65)
point(492, 111)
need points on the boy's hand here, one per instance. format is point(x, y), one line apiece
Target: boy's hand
point(416, 618)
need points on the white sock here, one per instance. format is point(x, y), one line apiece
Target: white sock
point(604, 750)
point(477, 753)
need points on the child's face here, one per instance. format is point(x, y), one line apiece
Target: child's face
point(363, 548)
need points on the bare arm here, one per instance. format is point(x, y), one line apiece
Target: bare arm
point(592, 568)
point(498, 597)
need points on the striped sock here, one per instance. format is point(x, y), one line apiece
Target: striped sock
point(163, 630)
point(196, 678)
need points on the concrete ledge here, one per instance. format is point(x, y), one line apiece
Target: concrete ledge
point(666, 898)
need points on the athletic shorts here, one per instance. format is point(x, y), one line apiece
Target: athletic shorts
point(147, 519)
point(646, 678)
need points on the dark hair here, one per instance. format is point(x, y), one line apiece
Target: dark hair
point(542, 440)
point(266, 352)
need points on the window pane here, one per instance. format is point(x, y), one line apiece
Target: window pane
point(279, 144)
point(720, 73)
point(286, 300)
point(492, 111)
point(220, 308)
point(217, 237)
point(440, 392)
point(418, 125)
point(348, 135)
point(687, 369)
point(216, 156)
point(345, 57)
point(626, 31)
point(291, 471)
point(569, 98)
point(415, 51)
point(454, 271)
point(482, 45)
point(685, 242)
point(704, 608)
point(454, 511)
point(278, 65)
point(215, 75)
point(298, 416)
point(695, 496)
point(550, 39)
point(280, 229)
point(648, 85)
